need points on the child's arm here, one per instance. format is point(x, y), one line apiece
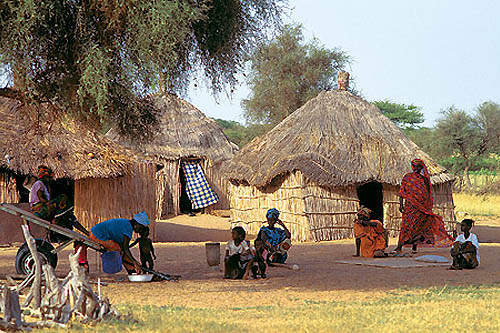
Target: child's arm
point(134, 243)
point(80, 227)
point(246, 248)
point(152, 249)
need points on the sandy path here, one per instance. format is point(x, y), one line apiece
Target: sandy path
point(319, 279)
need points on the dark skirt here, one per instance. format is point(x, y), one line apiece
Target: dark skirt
point(236, 266)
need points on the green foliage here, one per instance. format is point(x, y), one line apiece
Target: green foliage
point(458, 135)
point(488, 122)
point(464, 143)
point(404, 116)
point(98, 59)
point(422, 136)
point(239, 134)
point(286, 72)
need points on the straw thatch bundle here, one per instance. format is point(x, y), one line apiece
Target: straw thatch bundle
point(110, 180)
point(70, 149)
point(184, 132)
point(328, 147)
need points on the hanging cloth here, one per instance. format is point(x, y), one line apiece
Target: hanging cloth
point(197, 187)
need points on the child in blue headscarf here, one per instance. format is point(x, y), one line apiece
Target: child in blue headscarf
point(276, 240)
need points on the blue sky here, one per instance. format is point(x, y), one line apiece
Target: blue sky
point(430, 53)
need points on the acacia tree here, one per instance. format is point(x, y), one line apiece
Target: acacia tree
point(459, 134)
point(97, 59)
point(488, 121)
point(404, 116)
point(286, 72)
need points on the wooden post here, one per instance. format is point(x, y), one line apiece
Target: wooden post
point(343, 81)
point(9, 305)
point(35, 293)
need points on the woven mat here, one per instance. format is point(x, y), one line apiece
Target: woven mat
point(392, 262)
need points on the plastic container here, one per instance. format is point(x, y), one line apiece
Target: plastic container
point(212, 251)
point(111, 262)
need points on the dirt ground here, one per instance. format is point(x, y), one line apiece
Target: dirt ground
point(320, 278)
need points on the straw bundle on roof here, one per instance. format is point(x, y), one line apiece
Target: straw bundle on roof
point(183, 132)
point(333, 144)
point(335, 139)
point(70, 149)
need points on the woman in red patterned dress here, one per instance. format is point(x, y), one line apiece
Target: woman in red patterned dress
point(420, 225)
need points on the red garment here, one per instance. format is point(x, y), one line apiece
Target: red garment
point(419, 222)
point(82, 259)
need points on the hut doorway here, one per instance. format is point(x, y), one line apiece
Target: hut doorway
point(185, 206)
point(371, 195)
point(63, 186)
point(195, 188)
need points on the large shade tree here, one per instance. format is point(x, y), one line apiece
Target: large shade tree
point(98, 59)
point(288, 71)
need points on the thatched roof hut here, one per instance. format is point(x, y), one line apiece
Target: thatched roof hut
point(321, 162)
point(184, 133)
point(102, 171)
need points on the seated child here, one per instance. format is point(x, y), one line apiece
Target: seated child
point(465, 250)
point(146, 249)
point(259, 266)
point(371, 237)
point(238, 258)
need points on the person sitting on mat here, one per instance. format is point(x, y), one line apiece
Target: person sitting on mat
point(465, 250)
point(276, 240)
point(371, 237)
point(146, 249)
point(115, 235)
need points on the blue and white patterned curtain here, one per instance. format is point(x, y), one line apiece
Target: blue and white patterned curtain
point(197, 187)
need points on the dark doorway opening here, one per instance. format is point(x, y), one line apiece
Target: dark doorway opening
point(184, 202)
point(371, 195)
point(63, 186)
point(24, 193)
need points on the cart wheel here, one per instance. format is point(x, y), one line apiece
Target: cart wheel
point(24, 260)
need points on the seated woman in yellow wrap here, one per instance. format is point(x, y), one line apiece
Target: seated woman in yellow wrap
point(371, 237)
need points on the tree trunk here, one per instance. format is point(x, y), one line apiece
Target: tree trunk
point(467, 178)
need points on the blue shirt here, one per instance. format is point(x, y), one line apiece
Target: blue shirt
point(113, 229)
point(274, 236)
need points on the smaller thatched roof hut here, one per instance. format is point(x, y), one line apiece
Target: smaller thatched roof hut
point(72, 150)
point(317, 166)
point(109, 179)
point(184, 133)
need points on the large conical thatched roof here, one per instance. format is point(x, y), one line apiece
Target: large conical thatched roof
point(335, 139)
point(184, 131)
point(71, 150)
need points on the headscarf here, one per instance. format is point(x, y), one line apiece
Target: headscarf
point(364, 211)
point(44, 172)
point(273, 213)
point(424, 171)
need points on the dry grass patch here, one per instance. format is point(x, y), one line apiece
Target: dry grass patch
point(477, 205)
point(431, 309)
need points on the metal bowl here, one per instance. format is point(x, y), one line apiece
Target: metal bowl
point(140, 277)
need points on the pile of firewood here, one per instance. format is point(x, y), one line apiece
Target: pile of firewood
point(53, 302)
